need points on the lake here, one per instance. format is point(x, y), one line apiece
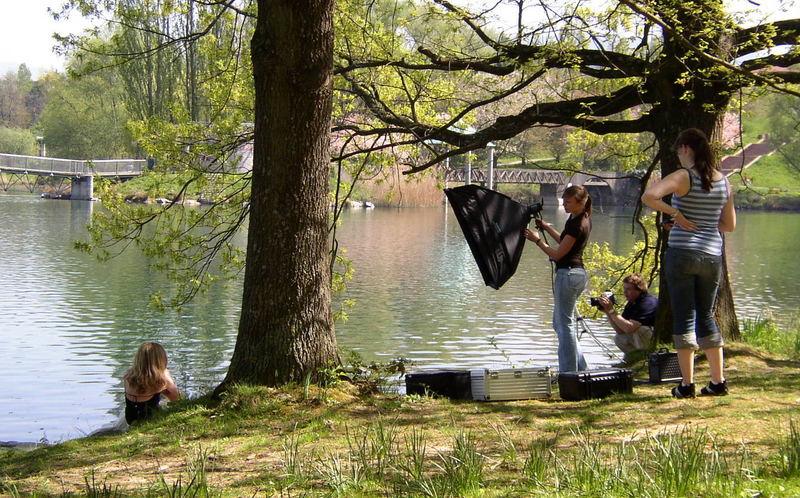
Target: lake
point(71, 324)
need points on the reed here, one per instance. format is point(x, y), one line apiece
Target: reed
point(789, 452)
point(462, 470)
point(95, 489)
point(374, 448)
point(292, 458)
point(412, 461)
point(688, 462)
point(538, 461)
point(197, 484)
point(764, 332)
point(509, 455)
point(342, 474)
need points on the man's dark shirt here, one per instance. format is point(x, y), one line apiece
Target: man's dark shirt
point(643, 310)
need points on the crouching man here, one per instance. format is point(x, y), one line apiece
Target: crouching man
point(635, 326)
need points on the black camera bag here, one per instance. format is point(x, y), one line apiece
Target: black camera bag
point(663, 366)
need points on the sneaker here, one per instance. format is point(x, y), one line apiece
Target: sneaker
point(712, 389)
point(682, 391)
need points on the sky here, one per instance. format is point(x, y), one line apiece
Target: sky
point(26, 29)
point(26, 35)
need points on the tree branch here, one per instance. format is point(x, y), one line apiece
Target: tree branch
point(704, 54)
point(768, 35)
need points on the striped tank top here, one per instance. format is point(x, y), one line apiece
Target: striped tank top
point(704, 209)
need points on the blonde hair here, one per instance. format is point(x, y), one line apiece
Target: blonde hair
point(147, 373)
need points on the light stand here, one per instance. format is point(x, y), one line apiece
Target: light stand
point(584, 328)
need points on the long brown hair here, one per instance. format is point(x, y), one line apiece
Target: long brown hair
point(704, 158)
point(147, 373)
point(580, 193)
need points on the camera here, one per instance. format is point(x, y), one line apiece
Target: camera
point(595, 301)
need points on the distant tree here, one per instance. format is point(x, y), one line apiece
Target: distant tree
point(85, 118)
point(13, 112)
point(784, 126)
point(36, 98)
point(24, 79)
point(17, 141)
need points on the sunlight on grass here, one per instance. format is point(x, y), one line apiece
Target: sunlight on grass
point(763, 332)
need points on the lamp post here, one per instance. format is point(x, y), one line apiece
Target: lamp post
point(468, 179)
point(490, 177)
point(42, 149)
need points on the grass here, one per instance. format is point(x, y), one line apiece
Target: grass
point(772, 172)
point(773, 185)
point(337, 441)
point(763, 332)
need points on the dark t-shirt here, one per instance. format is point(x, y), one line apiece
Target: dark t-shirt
point(643, 310)
point(579, 227)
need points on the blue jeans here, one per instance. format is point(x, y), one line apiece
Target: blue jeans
point(693, 280)
point(569, 284)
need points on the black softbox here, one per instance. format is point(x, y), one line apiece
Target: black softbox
point(493, 225)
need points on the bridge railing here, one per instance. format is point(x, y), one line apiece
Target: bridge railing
point(35, 165)
point(117, 167)
point(509, 175)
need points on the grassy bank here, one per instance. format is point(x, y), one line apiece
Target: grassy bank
point(771, 184)
point(340, 440)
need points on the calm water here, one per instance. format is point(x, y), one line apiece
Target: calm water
point(70, 324)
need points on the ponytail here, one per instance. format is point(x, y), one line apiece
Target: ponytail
point(704, 158)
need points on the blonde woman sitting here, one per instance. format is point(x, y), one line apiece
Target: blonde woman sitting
point(146, 381)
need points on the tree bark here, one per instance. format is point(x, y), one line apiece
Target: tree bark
point(286, 328)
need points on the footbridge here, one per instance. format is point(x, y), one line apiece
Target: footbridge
point(16, 169)
point(605, 187)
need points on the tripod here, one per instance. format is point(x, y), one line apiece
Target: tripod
point(584, 328)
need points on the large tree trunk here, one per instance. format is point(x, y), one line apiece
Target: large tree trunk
point(286, 328)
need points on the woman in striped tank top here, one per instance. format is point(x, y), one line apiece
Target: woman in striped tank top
point(702, 207)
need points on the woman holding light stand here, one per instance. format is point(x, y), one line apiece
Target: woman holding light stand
point(570, 279)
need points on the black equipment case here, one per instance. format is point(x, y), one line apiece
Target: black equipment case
point(453, 384)
point(663, 366)
point(593, 384)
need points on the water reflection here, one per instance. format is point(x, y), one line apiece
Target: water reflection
point(70, 324)
point(420, 295)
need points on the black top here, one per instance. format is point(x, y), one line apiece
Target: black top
point(579, 227)
point(643, 310)
point(140, 410)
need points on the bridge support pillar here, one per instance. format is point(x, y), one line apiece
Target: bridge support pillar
point(549, 193)
point(82, 188)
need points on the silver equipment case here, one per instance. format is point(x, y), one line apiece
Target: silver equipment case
point(506, 384)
